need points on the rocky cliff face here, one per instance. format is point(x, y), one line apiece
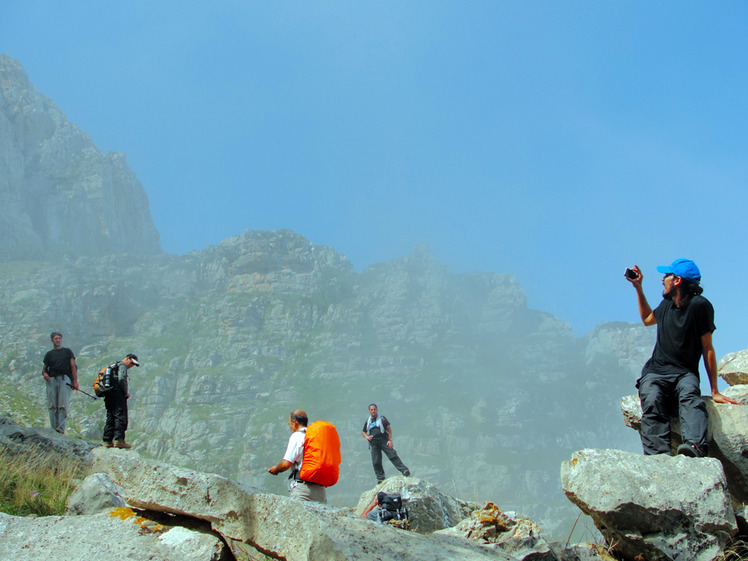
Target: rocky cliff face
point(58, 193)
point(486, 397)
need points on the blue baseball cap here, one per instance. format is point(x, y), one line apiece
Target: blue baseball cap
point(684, 268)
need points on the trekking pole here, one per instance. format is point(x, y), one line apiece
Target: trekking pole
point(88, 394)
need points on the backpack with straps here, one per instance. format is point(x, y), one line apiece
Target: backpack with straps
point(321, 459)
point(391, 507)
point(105, 380)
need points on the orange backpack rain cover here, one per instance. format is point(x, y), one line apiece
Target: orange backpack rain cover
point(321, 460)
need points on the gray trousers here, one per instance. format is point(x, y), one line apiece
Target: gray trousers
point(664, 396)
point(58, 401)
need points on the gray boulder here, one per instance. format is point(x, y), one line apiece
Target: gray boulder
point(429, 509)
point(659, 507)
point(508, 532)
point(95, 494)
point(17, 439)
point(728, 427)
point(121, 534)
point(251, 521)
point(733, 368)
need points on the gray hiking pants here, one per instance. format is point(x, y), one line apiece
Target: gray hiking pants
point(664, 396)
point(58, 401)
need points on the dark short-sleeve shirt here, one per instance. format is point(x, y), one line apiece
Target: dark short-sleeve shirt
point(375, 428)
point(679, 330)
point(57, 361)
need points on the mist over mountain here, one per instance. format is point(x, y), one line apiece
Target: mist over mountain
point(58, 193)
point(486, 397)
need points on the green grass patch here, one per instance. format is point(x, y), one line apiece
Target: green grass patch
point(36, 482)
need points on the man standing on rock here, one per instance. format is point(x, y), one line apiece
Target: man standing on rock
point(670, 379)
point(115, 401)
point(294, 456)
point(378, 431)
point(61, 375)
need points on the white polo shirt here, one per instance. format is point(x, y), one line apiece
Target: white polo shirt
point(295, 450)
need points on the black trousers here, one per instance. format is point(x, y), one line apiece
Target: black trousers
point(377, 445)
point(115, 402)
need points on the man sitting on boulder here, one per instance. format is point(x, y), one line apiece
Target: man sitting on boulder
point(670, 378)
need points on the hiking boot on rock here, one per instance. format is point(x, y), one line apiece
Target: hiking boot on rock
point(121, 444)
point(692, 450)
point(108, 444)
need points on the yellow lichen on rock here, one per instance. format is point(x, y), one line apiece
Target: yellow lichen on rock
point(122, 512)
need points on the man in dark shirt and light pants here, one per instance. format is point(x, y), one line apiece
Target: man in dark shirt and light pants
point(61, 376)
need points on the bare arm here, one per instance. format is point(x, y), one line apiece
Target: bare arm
point(371, 506)
point(366, 436)
point(710, 363)
point(645, 310)
point(389, 436)
point(283, 465)
point(74, 373)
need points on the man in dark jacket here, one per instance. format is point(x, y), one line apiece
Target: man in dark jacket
point(115, 401)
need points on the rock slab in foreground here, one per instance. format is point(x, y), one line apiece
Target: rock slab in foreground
point(119, 535)
point(252, 521)
point(659, 507)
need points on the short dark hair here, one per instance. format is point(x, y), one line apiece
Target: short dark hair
point(374, 404)
point(54, 333)
point(300, 417)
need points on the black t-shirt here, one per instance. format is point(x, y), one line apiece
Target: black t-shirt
point(679, 331)
point(57, 362)
point(374, 429)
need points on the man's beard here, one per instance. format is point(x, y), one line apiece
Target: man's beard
point(669, 294)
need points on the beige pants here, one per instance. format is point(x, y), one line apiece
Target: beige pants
point(305, 491)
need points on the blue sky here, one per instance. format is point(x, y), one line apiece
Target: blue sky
point(558, 141)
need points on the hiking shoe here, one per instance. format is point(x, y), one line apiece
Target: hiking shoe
point(406, 473)
point(108, 444)
point(692, 450)
point(122, 444)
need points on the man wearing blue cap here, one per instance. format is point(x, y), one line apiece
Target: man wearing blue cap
point(670, 379)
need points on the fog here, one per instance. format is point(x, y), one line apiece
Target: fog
point(555, 143)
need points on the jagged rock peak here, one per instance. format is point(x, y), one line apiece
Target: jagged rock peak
point(59, 195)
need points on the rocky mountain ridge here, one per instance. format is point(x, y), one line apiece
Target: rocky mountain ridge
point(485, 395)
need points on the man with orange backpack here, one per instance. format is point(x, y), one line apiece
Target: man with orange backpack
point(314, 454)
